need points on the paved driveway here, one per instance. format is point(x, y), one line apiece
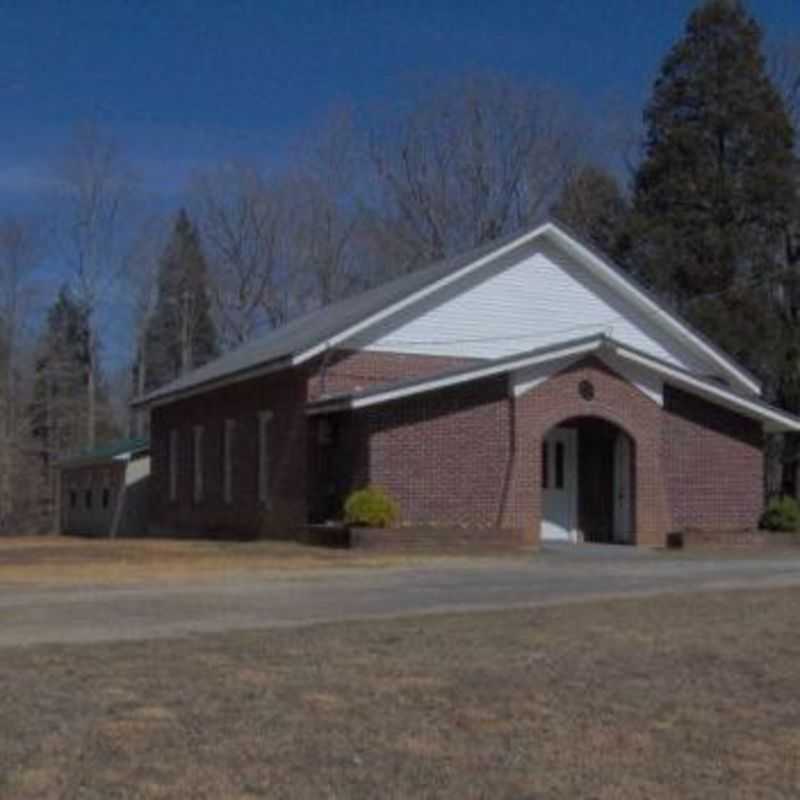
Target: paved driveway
point(556, 575)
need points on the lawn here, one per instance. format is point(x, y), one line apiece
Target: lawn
point(63, 560)
point(684, 696)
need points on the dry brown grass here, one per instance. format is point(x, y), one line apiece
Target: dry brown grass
point(62, 560)
point(691, 696)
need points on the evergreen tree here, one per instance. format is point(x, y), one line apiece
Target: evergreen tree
point(715, 192)
point(715, 199)
point(180, 334)
point(592, 204)
point(59, 410)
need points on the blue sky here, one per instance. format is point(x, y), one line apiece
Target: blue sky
point(184, 83)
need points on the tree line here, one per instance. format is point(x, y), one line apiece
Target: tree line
point(705, 213)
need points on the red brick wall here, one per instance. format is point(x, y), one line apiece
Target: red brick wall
point(444, 456)
point(347, 370)
point(713, 459)
point(470, 455)
point(616, 401)
point(467, 455)
point(284, 394)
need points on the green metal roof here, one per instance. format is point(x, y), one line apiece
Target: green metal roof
point(107, 452)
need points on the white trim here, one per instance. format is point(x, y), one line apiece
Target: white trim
point(776, 419)
point(773, 417)
point(507, 365)
point(586, 257)
point(419, 295)
point(621, 283)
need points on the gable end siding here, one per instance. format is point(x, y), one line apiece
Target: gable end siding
point(537, 299)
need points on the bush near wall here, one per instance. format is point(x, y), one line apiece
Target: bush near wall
point(371, 507)
point(782, 514)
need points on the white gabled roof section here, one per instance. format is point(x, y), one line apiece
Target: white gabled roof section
point(421, 294)
point(679, 328)
point(597, 267)
point(775, 420)
point(569, 350)
point(615, 354)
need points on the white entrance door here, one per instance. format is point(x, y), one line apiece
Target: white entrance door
point(559, 485)
point(623, 517)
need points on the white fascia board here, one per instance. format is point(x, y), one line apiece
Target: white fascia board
point(420, 294)
point(774, 419)
point(619, 282)
point(454, 380)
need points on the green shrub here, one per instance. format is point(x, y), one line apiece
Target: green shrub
point(781, 514)
point(371, 507)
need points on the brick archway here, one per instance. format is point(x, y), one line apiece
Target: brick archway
point(614, 400)
point(588, 481)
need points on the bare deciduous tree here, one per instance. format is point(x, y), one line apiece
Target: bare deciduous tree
point(96, 187)
point(326, 211)
point(474, 160)
point(243, 223)
point(20, 255)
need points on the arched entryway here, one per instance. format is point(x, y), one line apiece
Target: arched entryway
point(588, 483)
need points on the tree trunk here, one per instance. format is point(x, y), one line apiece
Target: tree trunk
point(91, 387)
point(140, 415)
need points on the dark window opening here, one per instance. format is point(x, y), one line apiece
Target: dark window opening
point(106, 497)
point(73, 499)
point(88, 498)
point(559, 465)
point(545, 465)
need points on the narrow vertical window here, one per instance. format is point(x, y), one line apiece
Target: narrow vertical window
point(559, 465)
point(198, 464)
point(227, 460)
point(173, 466)
point(545, 465)
point(263, 457)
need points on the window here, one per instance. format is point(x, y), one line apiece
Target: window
point(264, 419)
point(73, 498)
point(88, 498)
point(106, 497)
point(173, 466)
point(229, 431)
point(198, 463)
point(545, 466)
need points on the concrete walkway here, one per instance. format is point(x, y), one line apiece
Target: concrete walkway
point(556, 575)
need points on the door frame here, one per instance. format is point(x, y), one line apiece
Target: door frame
point(624, 480)
point(570, 436)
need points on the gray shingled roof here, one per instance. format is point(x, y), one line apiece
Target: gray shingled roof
point(316, 327)
point(313, 329)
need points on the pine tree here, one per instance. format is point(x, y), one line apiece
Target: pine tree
point(715, 196)
point(715, 193)
point(180, 335)
point(592, 204)
point(59, 410)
